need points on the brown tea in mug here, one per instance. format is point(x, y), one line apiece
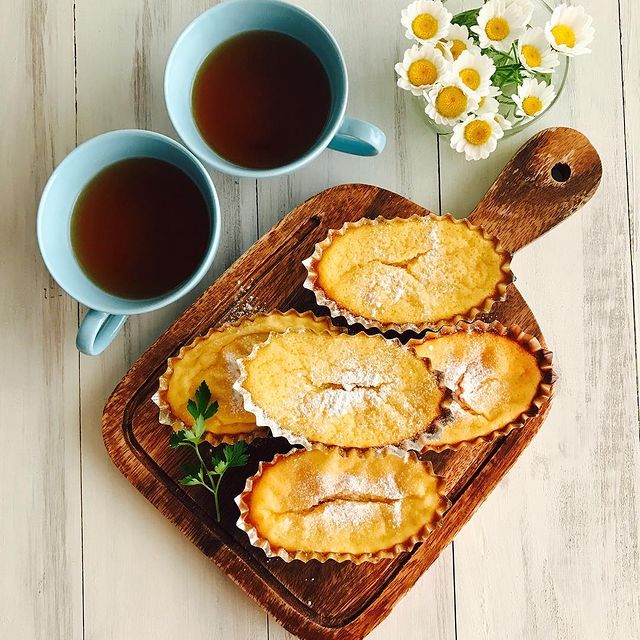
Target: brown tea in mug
point(140, 228)
point(261, 99)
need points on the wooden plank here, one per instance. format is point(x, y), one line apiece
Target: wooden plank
point(553, 553)
point(408, 166)
point(40, 525)
point(318, 601)
point(130, 554)
point(629, 21)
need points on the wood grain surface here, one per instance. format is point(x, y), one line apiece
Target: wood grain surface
point(552, 554)
point(319, 600)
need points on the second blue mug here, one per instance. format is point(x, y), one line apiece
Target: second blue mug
point(107, 312)
point(228, 19)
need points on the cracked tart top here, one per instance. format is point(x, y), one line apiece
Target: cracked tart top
point(408, 273)
point(345, 505)
point(499, 377)
point(213, 358)
point(338, 389)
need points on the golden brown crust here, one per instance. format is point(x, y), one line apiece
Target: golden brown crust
point(246, 524)
point(530, 344)
point(336, 310)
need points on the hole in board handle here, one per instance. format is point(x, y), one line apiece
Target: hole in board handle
point(561, 172)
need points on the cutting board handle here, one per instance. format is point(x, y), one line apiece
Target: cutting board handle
point(552, 175)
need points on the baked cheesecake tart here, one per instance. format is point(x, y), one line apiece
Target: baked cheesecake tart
point(408, 273)
point(213, 358)
point(499, 377)
point(340, 389)
point(327, 503)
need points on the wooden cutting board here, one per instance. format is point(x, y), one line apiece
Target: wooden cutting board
point(549, 178)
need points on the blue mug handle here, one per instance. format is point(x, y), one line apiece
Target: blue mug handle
point(97, 330)
point(359, 138)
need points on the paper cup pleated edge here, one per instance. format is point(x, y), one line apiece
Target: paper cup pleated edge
point(532, 345)
point(160, 396)
point(287, 555)
point(277, 430)
point(336, 311)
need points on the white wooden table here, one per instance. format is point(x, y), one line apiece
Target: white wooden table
point(553, 553)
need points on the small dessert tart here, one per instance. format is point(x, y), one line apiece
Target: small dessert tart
point(213, 358)
point(327, 503)
point(499, 377)
point(338, 389)
point(407, 274)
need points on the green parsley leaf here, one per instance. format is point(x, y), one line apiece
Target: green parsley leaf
point(211, 410)
point(191, 437)
point(236, 455)
point(192, 408)
point(177, 439)
point(198, 427)
point(219, 467)
point(193, 474)
point(202, 397)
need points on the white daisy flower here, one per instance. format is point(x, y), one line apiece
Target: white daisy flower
point(444, 48)
point(525, 7)
point(533, 98)
point(477, 136)
point(426, 21)
point(474, 72)
point(505, 124)
point(456, 41)
point(488, 103)
point(450, 102)
point(499, 26)
point(535, 53)
point(569, 30)
point(421, 67)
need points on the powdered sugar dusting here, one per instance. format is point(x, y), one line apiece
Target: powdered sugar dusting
point(353, 374)
point(349, 499)
point(334, 403)
point(385, 287)
point(233, 373)
point(340, 513)
point(358, 485)
point(435, 264)
point(473, 380)
point(352, 385)
point(249, 307)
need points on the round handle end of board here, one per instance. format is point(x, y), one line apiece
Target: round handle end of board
point(550, 177)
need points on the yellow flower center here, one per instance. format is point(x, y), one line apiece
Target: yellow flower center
point(477, 132)
point(497, 29)
point(531, 55)
point(565, 35)
point(422, 72)
point(441, 48)
point(425, 26)
point(457, 47)
point(531, 105)
point(451, 102)
point(471, 78)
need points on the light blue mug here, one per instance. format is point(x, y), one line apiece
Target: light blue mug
point(232, 17)
point(108, 313)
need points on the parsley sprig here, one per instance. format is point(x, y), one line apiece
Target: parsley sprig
point(200, 473)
